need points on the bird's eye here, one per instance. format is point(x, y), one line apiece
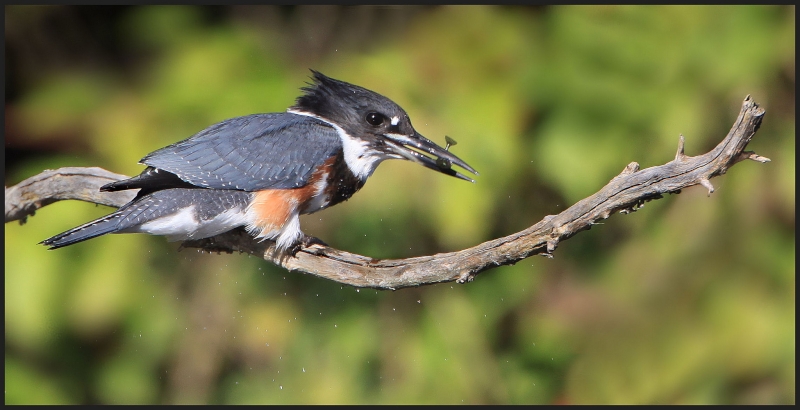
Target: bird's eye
point(375, 118)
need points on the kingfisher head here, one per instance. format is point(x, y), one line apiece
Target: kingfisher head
point(373, 127)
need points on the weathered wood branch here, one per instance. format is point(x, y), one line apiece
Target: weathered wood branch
point(23, 199)
point(624, 193)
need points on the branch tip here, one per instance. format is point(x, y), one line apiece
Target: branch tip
point(630, 169)
point(552, 244)
point(680, 156)
point(752, 156)
point(465, 277)
point(707, 184)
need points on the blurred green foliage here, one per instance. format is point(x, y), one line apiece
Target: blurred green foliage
point(690, 300)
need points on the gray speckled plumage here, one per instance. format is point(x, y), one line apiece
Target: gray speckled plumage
point(231, 154)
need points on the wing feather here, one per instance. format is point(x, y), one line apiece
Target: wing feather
point(251, 153)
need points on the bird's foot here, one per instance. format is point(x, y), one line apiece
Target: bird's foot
point(306, 242)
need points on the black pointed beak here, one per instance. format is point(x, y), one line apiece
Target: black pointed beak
point(425, 152)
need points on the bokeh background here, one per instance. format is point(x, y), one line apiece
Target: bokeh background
point(689, 300)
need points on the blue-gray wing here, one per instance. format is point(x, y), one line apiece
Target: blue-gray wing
point(260, 151)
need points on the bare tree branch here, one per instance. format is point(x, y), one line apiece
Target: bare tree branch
point(625, 193)
point(23, 199)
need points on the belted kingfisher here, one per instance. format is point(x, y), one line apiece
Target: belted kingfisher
point(262, 171)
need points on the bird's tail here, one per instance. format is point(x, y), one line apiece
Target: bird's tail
point(89, 230)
